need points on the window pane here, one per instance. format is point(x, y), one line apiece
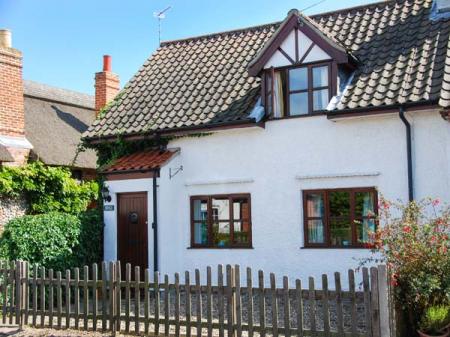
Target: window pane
point(340, 233)
point(364, 204)
point(241, 209)
point(314, 205)
point(298, 79)
point(200, 209)
point(320, 76)
point(241, 231)
point(268, 106)
point(220, 209)
point(269, 82)
point(320, 99)
point(200, 233)
point(315, 231)
point(363, 228)
point(298, 104)
point(221, 234)
point(339, 203)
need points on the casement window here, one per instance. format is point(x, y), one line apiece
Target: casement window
point(339, 217)
point(221, 221)
point(295, 91)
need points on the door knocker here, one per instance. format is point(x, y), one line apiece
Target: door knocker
point(133, 217)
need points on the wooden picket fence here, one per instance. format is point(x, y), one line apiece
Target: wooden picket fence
point(92, 299)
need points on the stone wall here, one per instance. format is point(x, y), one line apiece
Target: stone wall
point(11, 208)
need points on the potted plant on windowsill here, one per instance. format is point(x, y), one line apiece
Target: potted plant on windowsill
point(435, 322)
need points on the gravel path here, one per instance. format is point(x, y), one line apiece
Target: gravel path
point(29, 332)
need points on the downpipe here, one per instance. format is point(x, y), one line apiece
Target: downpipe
point(155, 221)
point(408, 152)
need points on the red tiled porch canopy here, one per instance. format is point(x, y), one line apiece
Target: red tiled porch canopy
point(140, 162)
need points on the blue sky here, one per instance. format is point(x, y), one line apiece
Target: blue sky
point(63, 40)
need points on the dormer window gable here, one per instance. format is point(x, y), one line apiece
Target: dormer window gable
point(299, 68)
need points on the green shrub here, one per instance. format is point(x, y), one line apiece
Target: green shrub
point(47, 188)
point(414, 243)
point(46, 239)
point(90, 242)
point(54, 240)
point(435, 319)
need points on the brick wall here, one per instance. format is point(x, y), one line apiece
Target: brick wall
point(20, 156)
point(89, 174)
point(12, 113)
point(12, 118)
point(106, 88)
point(106, 85)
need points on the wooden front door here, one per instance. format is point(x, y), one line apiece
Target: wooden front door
point(132, 235)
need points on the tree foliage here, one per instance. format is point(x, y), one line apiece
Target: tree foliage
point(47, 188)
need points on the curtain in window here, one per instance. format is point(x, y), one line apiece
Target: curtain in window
point(278, 109)
point(368, 224)
point(315, 208)
point(201, 229)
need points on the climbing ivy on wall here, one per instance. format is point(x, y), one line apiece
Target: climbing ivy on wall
point(47, 188)
point(107, 152)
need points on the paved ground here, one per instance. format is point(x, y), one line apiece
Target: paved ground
point(11, 330)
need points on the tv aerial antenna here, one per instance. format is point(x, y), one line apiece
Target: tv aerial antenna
point(313, 5)
point(160, 15)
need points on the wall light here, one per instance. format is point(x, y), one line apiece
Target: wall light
point(105, 193)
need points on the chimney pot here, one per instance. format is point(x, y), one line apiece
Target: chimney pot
point(106, 63)
point(5, 38)
point(106, 85)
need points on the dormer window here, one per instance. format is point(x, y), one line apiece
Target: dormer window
point(298, 90)
point(299, 68)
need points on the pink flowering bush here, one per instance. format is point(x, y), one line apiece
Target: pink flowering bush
point(413, 241)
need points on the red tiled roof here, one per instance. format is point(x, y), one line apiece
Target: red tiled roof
point(140, 161)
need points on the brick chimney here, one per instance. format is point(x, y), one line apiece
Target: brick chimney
point(106, 85)
point(12, 114)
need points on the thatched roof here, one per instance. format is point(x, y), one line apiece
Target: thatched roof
point(55, 118)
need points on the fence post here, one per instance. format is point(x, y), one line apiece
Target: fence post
point(383, 291)
point(118, 299)
point(18, 281)
point(233, 301)
point(112, 295)
point(231, 298)
point(374, 302)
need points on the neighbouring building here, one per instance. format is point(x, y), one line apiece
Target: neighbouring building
point(38, 121)
point(276, 141)
point(41, 122)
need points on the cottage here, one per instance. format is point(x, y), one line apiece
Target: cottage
point(276, 141)
point(41, 122)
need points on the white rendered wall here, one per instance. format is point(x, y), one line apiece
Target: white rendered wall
point(288, 45)
point(431, 153)
point(275, 164)
point(110, 217)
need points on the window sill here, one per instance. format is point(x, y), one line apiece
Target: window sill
point(314, 114)
point(220, 248)
point(309, 247)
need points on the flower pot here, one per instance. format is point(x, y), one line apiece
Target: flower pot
point(442, 334)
